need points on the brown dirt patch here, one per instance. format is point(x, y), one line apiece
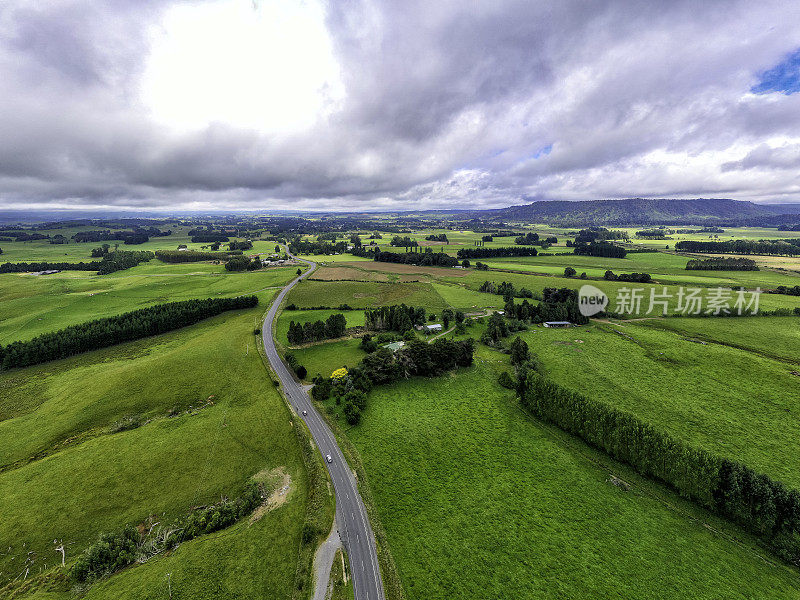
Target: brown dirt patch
point(280, 482)
point(400, 268)
point(348, 273)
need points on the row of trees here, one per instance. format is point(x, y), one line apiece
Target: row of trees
point(789, 291)
point(129, 326)
point(442, 237)
point(111, 262)
point(242, 263)
point(786, 247)
point(334, 326)
point(496, 252)
point(424, 259)
point(203, 237)
point(398, 318)
point(300, 246)
point(634, 277)
point(558, 304)
point(721, 264)
point(24, 267)
point(505, 289)
point(184, 256)
point(600, 249)
point(764, 507)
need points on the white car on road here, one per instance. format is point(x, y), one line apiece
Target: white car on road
point(328, 458)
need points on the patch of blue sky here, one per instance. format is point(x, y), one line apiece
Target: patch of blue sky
point(783, 77)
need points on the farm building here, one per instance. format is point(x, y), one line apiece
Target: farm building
point(433, 328)
point(395, 346)
point(557, 324)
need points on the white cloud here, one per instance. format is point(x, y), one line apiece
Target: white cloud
point(227, 103)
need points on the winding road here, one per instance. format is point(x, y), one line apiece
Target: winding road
point(351, 515)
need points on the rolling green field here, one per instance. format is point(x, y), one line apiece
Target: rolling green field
point(363, 294)
point(31, 305)
point(735, 403)
point(327, 357)
point(479, 501)
point(211, 420)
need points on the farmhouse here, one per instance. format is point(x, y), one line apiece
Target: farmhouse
point(557, 324)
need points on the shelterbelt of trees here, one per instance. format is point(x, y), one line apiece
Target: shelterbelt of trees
point(754, 501)
point(332, 327)
point(111, 262)
point(102, 333)
point(721, 264)
point(785, 247)
point(398, 317)
point(483, 252)
point(182, 256)
point(424, 259)
point(602, 249)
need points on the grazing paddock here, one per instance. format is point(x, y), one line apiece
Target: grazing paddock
point(481, 502)
point(209, 418)
point(730, 401)
point(344, 273)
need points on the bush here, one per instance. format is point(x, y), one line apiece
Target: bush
point(506, 380)
point(110, 552)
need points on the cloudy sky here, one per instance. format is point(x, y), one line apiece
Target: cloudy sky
point(367, 104)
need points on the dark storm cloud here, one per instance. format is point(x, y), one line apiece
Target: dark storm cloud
point(446, 103)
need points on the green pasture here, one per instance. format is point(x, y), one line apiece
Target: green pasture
point(479, 501)
point(735, 403)
point(211, 420)
point(31, 305)
point(359, 294)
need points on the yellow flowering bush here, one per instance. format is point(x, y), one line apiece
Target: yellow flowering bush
point(339, 374)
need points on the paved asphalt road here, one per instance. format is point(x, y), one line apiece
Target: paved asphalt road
point(351, 516)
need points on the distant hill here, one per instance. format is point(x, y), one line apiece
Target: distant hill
point(642, 211)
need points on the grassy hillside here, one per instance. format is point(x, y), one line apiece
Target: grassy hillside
point(735, 403)
point(479, 501)
point(211, 420)
point(31, 305)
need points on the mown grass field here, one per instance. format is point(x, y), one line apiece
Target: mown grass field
point(479, 501)
point(732, 402)
point(326, 357)
point(363, 294)
point(215, 420)
point(776, 337)
point(31, 305)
